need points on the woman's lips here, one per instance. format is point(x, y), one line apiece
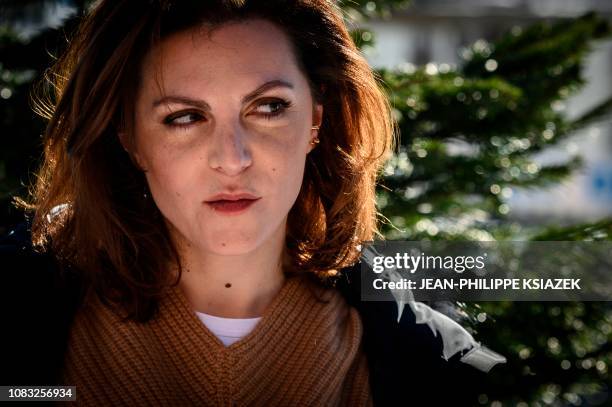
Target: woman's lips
point(231, 207)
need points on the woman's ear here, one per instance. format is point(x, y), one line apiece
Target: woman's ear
point(130, 149)
point(317, 121)
point(123, 140)
point(317, 115)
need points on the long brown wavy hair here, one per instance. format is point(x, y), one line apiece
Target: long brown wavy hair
point(88, 200)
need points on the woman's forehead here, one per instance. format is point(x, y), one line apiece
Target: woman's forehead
point(227, 53)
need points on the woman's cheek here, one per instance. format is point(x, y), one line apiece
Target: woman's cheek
point(291, 176)
point(168, 181)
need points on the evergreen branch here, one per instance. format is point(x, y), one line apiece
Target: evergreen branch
point(599, 230)
point(548, 175)
point(599, 113)
point(360, 9)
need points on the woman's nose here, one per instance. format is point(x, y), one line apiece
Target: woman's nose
point(230, 152)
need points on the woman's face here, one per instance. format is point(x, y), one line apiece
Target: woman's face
point(229, 113)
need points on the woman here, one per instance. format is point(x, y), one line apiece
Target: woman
point(209, 167)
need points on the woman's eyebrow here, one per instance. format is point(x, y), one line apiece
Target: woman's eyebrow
point(267, 86)
point(182, 100)
point(201, 104)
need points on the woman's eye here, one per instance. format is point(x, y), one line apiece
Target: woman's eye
point(272, 108)
point(183, 119)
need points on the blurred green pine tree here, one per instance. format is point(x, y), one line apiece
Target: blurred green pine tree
point(467, 139)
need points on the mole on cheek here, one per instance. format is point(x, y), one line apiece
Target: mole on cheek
point(273, 169)
point(223, 244)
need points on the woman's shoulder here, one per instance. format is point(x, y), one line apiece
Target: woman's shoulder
point(37, 271)
point(38, 299)
point(421, 356)
point(323, 299)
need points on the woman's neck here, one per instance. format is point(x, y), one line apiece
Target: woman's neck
point(238, 286)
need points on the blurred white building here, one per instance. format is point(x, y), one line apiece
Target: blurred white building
point(437, 30)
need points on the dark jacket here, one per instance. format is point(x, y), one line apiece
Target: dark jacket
point(406, 360)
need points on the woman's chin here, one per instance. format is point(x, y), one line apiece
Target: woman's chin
point(232, 249)
point(231, 245)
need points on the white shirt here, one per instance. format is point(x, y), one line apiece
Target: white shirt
point(228, 330)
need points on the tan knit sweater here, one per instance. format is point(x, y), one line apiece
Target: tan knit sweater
point(303, 352)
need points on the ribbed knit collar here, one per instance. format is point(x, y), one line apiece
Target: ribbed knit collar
point(280, 311)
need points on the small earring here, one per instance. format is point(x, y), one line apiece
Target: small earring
point(315, 140)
